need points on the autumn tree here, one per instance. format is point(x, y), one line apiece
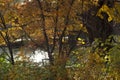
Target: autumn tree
point(54, 24)
point(10, 29)
point(60, 27)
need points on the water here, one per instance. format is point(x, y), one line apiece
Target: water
point(34, 56)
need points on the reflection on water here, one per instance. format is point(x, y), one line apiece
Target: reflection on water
point(39, 56)
point(35, 56)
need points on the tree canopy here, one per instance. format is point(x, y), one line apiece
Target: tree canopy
point(72, 32)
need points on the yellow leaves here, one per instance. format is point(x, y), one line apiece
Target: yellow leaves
point(2, 42)
point(15, 32)
point(76, 52)
point(12, 17)
point(95, 2)
point(70, 27)
point(2, 4)
point(83, 28)
point(107, 10)
point(3, 34)
point(107, 58)
point(81, 41)
point(77, 27)
point(15, 28)
point(96, 58)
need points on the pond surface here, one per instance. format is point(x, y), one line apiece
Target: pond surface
point(34, 56)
